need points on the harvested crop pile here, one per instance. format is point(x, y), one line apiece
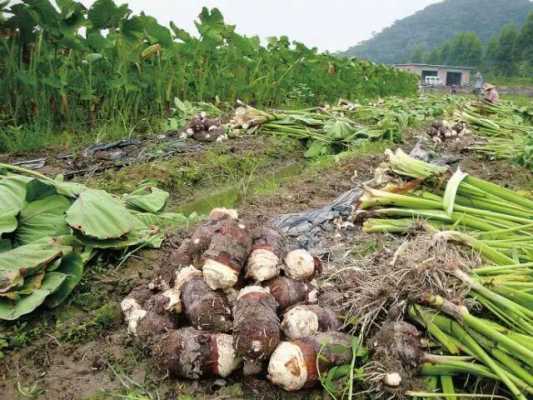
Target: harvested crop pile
point(432, 309)
point(218, 312)
point(443, 130)
point(504, 129)
point(51, 229)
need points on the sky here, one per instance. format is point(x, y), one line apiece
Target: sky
point(327, 24)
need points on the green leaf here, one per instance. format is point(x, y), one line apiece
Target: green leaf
point(38, 189)
point(147, 198)
point(27, 260)
point(451, 190)
point(43, 218)
point(99, 215)
point(317, 149)
point(5, 245)
point(164, 220)
point(72, 266)
point(8, 222)
point(337, 129)
point(12, 193)
point(105, 14)
point(11, 310)
point(151, 237)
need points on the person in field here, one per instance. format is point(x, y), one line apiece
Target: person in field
point(491, 94)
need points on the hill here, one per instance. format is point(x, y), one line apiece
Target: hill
point(432, 26)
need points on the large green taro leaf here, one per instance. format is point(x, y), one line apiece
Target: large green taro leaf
point(8, 222)
point(43, 218)
point(72, 266)
point(28, 260)
point(12, 193)
point(147, 198)
point(11, 310)
point(99, 215)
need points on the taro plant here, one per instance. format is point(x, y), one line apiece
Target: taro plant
point(67, 67)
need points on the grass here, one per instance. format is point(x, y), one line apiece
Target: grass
point(28, 138)
point(221, 164)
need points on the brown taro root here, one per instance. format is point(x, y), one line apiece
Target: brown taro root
point(293, 365)
point(396, 355)
point(265, 259)
point(227, 253)
point(306, 320)
point(256, 327)
point(147, 316)
point(301, 265)
point(289, 292)
point(204, 308)
point(189, 353)
point(201, 237)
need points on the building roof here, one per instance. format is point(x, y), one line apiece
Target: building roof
point(434, 66)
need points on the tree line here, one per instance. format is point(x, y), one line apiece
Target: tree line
point(508, 53)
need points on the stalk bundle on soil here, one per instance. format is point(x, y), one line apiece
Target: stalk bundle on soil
point(478, 319)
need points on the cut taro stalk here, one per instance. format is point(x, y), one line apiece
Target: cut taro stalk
point(301, 265)
point(265, 259)
point(256, 326)
point(227, 254)
point(189, 353)
point(298, 364)
point(306, 320)
point(203, 307)
point(289, 292)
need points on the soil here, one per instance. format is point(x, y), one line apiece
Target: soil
point(82, 349)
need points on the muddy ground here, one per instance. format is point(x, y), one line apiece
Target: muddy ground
point(82, 351)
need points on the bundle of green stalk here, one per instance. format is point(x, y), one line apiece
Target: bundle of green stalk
point(507, 130)
point(51, 229)
point(326, 130)
point(494, 340)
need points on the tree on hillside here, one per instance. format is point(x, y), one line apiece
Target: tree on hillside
point(524, 46)
point(431, 27)
point(489, 61)
point(418, 56)
point(505, 62)
point(465, 49)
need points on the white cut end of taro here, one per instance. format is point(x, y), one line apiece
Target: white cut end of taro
point(233, 214)
point(189, 131)
point(393, 379)
point(262, 265)
point(227, 358)
point(174, 300)
point(134, 318)
point(257, 346)
point(299, 322)
point(287, 367)
point(218, 275)
point(252, 289)
point(299, 264)
point(185, 275)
